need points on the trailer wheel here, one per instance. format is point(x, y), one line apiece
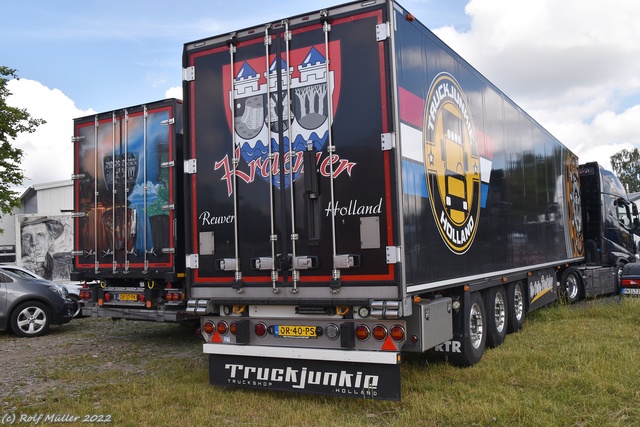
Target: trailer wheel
point(496, 309)
point(475, 333)
point(515, 307)
point(571, 286)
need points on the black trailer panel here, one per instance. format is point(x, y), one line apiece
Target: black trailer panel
point(302, 197)
point(486, 191)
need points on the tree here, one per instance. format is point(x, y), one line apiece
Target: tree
point(13, 121)
point(626, 165)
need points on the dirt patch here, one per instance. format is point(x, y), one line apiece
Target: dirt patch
point(86, 345)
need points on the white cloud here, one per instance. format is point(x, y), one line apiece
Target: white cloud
point(174, 92)
point(48, 152)
point(572, 65)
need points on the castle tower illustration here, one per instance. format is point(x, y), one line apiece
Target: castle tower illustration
point(254, 98)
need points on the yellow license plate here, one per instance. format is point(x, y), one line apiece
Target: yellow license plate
point(295, 331)
point(128, 297)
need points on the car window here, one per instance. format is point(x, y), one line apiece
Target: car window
point(20, 273)
point(4, 278)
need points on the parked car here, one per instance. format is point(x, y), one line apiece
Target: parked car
point(72, 287)
point(29, 305)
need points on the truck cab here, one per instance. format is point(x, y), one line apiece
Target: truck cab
point(610, 219)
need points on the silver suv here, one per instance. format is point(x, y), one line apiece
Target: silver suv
point(28, 305)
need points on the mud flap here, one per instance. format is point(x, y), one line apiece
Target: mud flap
point(346, 379)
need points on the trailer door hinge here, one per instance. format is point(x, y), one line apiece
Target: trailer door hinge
point(383, 31)
point(393, 254)
point(189, 74)
point(190, 166)
point(388, 141)
point(192, 261)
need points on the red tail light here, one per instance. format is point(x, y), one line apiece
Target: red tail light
point(260, 329)
point(630, 282)
point(363, 332)
point(233, 328)
point(141, 297)
point(380, 332)
point(222, 328)
point(107, 296)
point(208, 327)
point(397, 333)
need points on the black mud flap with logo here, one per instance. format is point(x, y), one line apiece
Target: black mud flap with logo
point(543, 289)
point(348, 379)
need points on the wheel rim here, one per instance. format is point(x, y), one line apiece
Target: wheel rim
point(31, 320)
point(571, 287)
point(476, 326)
point(77, 308)
point(499, 311)
point(518, 303)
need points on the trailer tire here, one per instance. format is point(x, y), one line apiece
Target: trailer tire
point(475, 333)
point(516, 307)
point(497, 315)
point(571, 286)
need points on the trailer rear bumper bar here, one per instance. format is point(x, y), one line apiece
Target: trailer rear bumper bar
point(159, 315)
point(328, 355)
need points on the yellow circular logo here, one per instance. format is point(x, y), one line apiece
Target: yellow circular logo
point(451, 163)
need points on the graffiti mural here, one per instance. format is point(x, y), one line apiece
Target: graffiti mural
point(44, 245)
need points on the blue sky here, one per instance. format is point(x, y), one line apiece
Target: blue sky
point(573, 65)
point(105, 56)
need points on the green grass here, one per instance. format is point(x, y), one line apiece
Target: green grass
point(569, 366)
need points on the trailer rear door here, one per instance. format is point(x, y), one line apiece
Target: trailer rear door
point(125, 190)
point(290, 186)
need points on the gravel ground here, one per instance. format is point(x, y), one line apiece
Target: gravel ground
point(24, 362)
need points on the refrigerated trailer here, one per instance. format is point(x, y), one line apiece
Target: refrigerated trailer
point(128, 219)
point(356, 190)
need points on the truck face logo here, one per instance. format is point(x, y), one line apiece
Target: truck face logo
point(452, 165)
point(302, 116)
point(574, 205)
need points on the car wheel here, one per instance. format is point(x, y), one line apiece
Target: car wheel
point(618, 279)
point(30, 319)
point(77, 308)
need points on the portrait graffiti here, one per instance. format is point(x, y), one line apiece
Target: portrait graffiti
point(45, 245)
